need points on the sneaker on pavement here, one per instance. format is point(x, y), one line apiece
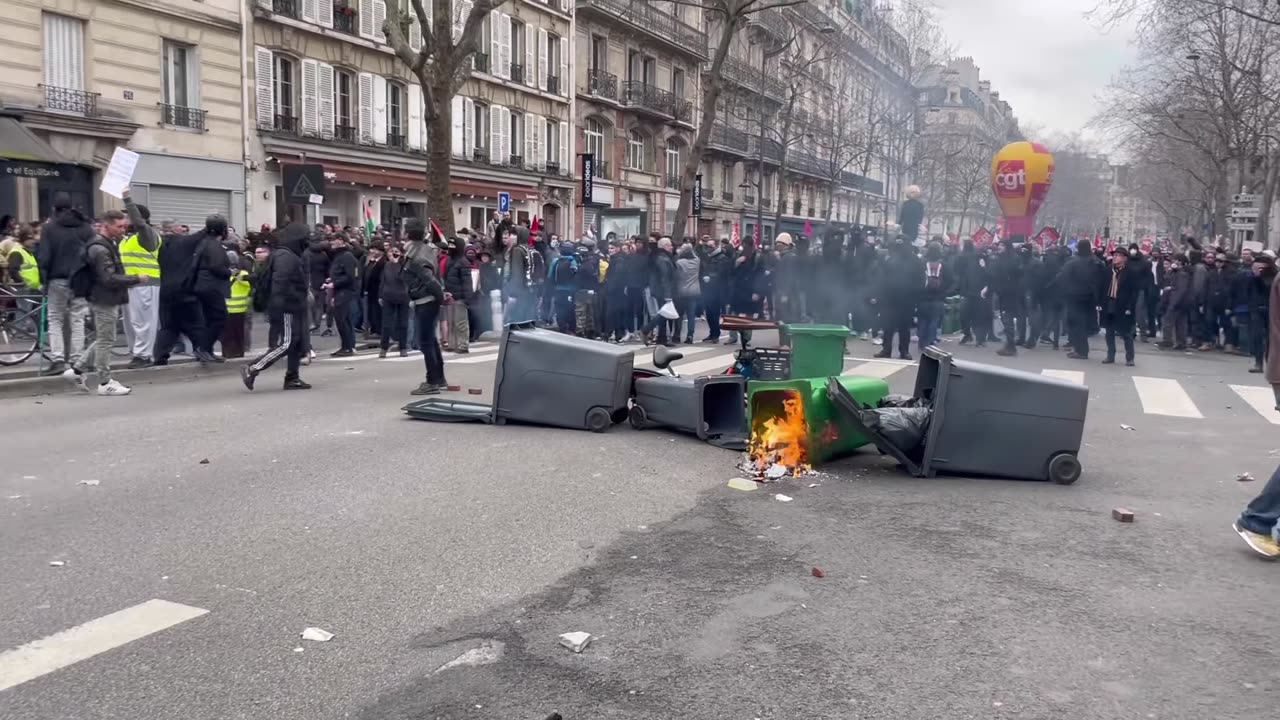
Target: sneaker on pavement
point(296, 384)
point(247, 376)
point(382, 354)
point(426, 388)
point(342, 352)
point(137, 363)
point(113, 388)
point(55, 368)
point(76, 378)
point(1264, 545)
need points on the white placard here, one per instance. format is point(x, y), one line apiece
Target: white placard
point(115, 180)
point(316, 199)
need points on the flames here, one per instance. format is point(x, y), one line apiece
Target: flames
point(779, 443)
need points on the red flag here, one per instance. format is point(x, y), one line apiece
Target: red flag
point(736, 237)
point(808, 229)
point(437, 235)
point(534, 227)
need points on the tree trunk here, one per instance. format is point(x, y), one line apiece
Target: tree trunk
point(439, 157)
point(710, 95)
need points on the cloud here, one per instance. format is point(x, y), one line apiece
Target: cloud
point(1045, 57)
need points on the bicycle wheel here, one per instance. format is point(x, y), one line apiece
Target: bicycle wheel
point(19, 337)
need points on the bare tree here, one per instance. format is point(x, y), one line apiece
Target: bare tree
point(436, 41)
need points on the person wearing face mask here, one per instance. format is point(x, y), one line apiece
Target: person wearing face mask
point(1119, 299)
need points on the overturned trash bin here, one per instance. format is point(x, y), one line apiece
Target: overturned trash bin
point(713, 408)
point(987, 421)
point(826, 434)
point(546, 378)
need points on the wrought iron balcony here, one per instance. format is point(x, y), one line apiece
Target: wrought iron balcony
point(658, 24)
point(726, 195)
point(682, 110)
point(72, 101)
point(806, 163)
point(516, 161)
point(727, 138)
point(602, 84)
point(673, 182)
point(344, 17)
point(553, 167)
point(772, 149)
point(553, 84)
point(517, 73)
point(766, 202)
point(745, 75)
point(345, 133)
point(795, 207)
point(481, 62)
point(180, 116)
point(771, 21)
point(284, 124)
point(647, 97)
point(287, 8)
point(749, 199)
point(480, 154)
point(398, 141)
point(602, 170)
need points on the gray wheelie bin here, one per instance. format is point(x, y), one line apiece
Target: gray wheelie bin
point(713, 408)
point(546, 378)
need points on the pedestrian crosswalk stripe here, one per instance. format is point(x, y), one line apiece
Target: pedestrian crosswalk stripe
point(1071, 376)
point(41, 657)
point(1262, 399)
point(877, 369)
point(1162, 396)
point(475, 356)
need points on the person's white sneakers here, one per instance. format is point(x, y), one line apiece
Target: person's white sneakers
point(75, 378)
point(113, 387)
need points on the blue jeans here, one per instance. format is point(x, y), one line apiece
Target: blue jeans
point(929, 313)
point(1263, 512)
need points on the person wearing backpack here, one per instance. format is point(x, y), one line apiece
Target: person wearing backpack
point(108, 292)
point(426, 295)
point(60, 256)
point(564, 283)
point(281, 291)
point(938, 283)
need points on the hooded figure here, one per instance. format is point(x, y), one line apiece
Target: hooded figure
point(786, 279)
point(1077, 285)
point(281, 290)
point(901, 284)
point(459, 291)
point(688, 290)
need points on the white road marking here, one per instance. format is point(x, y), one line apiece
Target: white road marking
point(41, 657)
point(889, 361)
point(1262, 399)
point(474, 357)
point(877, 368)
point(1162, 396)
point(1071, 376)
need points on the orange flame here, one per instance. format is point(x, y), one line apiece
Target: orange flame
point(783, 438)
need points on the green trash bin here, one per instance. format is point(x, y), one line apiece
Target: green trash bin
point(830, 435)
point(817, 351)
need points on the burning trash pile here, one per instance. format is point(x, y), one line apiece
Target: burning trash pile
point(779, 443)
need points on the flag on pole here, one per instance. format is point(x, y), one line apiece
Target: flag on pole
point(437, 235)
point(369, 225)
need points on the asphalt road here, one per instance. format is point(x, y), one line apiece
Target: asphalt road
point(415, 543)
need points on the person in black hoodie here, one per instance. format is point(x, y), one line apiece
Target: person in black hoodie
point(315, 262)
point(345, 286)
point(748, 280)
point(60, 255)
point(180, 309)
point(1258, 298)
point(1077, 283)
point(212, 283)
point(393, 302)
point(371, 281)
point(1046, 304)
point(975, 309)
point(282, 292)
point(939, 280)
point(1007, 283)
point(662, 289)
point(458, 294)
point(901, 284)
point(716, 266)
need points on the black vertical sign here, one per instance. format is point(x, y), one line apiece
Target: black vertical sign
point(588, 177)
point(697, 195)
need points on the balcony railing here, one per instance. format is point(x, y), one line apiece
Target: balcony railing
point(602, 84)
point(742, 73)
point(681, 110)
point(72, 101)
point(553, 84)
point(766, 201)
point(285, 124)
point(516, 161)
point(749, 199)
point(180, 116)
point(769, 20)
point(480, 154)
point(795, 207)
point(726, 137)
point(772, 149)
point(345, 133)
point(517, 73)
point(726, 195)
point(344, 18)
point(648, 97)
point(481, 62)
point(553, 167)
point(659, 24)
point(399, 141)
point(602, 170)
point(287, 8)
point(673, 182)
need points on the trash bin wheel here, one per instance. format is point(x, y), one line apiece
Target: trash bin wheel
point(1064, 468)
point(598, 420)
point(638, 418)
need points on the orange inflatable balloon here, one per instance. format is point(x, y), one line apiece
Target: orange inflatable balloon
point(1021, 175)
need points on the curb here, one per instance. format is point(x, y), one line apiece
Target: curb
point(35, 385)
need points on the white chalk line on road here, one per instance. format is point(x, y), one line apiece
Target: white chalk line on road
point(1163, 396)
point(1261, 399)
point(882, 369)
point(52, 653)
point(1071, 376)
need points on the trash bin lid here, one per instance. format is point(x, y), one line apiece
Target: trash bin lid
point(445, 410)
point(818, 330)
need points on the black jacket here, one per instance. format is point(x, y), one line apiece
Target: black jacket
point(286, 276)
point(110, 284)
point(61, 250)
point(371, 279)
point(901, 279)
point(787, 272)
point(1128, 285)
point(391, 289)
point(213, 268)
point(663, 279)
point(177, 264)
point(971, 273)
point(343, 273)
point(457, 279)
point(615, 280)
point(717, 266)
point(943, 287)
point(747, 279)
point(910, 217)
point(315, 261)
point(1078, 280)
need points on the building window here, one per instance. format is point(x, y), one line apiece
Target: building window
point(396, 124)
point(63, 52)
point(642, 68)
point(551, 143)
point(593, 138)
point(519, 45)
point(677, 83)
point(555, 83)
point(639, 151)
point(517, 138)
point(675, 166)
point(481, 124)
point(344, 108)
point(179, 66)
point(282, 93)
point(726, 179)
point(599, 53)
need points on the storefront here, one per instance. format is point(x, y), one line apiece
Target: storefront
point(32, 173)
point(188, 190)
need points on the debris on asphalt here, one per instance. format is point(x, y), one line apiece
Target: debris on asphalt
point(349, 367)
point(776, 471)
point(13, 497)
point(88, 482)
point(1127, 427)
point(1122, 515)
point(297, 649)
point(28, 477)
point(454, 388)
point(57, 563)
point(783, 498)
point(813, 485)
point(489, 652)
point(743, 484)
point(1244, 477)
point(818, 573)
point(316, 634)
point(204, 461)
point(475, 391)
point(576, 641)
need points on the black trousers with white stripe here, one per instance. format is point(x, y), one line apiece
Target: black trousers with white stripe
point(288, 333)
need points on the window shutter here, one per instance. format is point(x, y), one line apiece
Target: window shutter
point(266, 4)
point(429, 7)
point(564, 66)
point(495, 42)
point(311, 10)
point(543, 66)
point(539, 142)
point(564, 6)
point(459, 18)
point(457, 110)
point(263, 86)
point(415, 33)
point(366, 20)
point(504, 58)
point(324, 13)
point(415, 116)
point(366, 107)
point(564, 149)
point(379, 110)
point(530, 69)
point(63, 51)
point(530, 145)
point(505, 132)
point(325, 89)
point(310, 96)
point(495, 135)
point(469, 127)
point(379, 19)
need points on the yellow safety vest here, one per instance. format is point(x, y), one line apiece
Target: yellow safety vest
point(136, 259)
point(30, 272)
point(238, 303)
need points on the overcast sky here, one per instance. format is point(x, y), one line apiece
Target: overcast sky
point(1044, 57)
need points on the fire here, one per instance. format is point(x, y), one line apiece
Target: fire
point(781, 440)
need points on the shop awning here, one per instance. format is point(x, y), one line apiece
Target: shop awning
point(24, 154)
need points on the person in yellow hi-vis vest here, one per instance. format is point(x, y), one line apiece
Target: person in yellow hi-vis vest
point(139, 252)
point(22, 267)
point(238, 309)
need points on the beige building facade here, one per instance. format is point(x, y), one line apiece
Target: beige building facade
point(161, 77)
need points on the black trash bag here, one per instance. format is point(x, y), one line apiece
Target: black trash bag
point(905, 427)
point(901, 401)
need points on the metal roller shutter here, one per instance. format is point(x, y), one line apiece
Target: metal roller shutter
point(189, 206)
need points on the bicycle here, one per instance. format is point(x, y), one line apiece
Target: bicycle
point(23, 323)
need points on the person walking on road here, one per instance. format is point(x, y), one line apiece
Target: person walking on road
point(140, 253)
point(901, 284)
point(60, 255)
point(458, 293)
point(1259, 524)
point(662, 290)
point(1119, 305)
point(688, 292)
point(394, 301)
point(938, 284)
point(109, 292)
point(212, 284)
point(281, 291)
point(344, 284)
point(1179, 304)
point(1077, 285)
point(1257, 296)
point(426, 296)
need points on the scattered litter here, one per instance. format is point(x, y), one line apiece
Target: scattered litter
point(455, 388)
point(817, 572)
point(349, 367)
point(813, 485)
point(775, 527)
point(28, 477)
point(88, 482)
point(1122, 515)
point(782, 498)
point(315, 633)
point(635, 557)
point(1127, 427)
point(576, 641)
point(743, 484)
point(1244, 477)
point(164, 577)
point(297, 649)
point(643, 527)
point(57, 563)
point(776, 471)
point(489, 652)
point(13, 497)
point(204, 461)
